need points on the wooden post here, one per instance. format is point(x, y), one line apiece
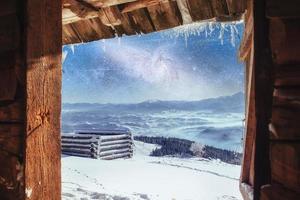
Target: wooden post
point(262, 66)
point(30, 99)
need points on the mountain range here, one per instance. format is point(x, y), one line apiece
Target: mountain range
point(232, 103)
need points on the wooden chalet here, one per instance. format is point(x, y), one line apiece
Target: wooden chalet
point(32, 33)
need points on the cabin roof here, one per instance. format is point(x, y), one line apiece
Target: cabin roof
point(89, 20)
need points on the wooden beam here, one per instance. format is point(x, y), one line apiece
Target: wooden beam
point(43, 46)
point(263, 80)
point(165, 15)
point(250, 131)
point(107, 3)
point(110, 16)
point(75, 10)
point(140, 4)
point(245, 46)
point(184, 11)
point(141, 21)
point(200, 9)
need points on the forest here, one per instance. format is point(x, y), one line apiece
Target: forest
point(187, 148)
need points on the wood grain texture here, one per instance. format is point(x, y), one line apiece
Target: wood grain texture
point(165, 15)
point(286, 164)
point(285, 43)
point(141, 21)
point(9, 32)
point(250, 132)
point(236, 7)
point(200, 9)
point(12, 112)
point(43, 100)
point(263, 76)
point(285, 123)
point(287, 76)
point(220, 8)
point(140, 16)
point(277, 192)
point(8, 80)
point(283, 9)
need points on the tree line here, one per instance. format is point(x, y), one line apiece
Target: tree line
point(186, 148)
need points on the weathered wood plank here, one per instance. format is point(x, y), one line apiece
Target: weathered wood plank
point(69, 36)
point(9, 32)
point(43, 99)
point(200, 9)
point(288, 93)
point(141, 21)
point(8, 7)
point(165, 15)
point(285, 124)
point(140, 4)
point(245, 46)
point(12, 112)
point(250, 131)
point(286, 164)
point(8, 81)
point(285, 42)
point(236, 7)
point(107, 3)
point(92, 29)
point(290, 104)
point(125, 27)
point(287, 75)
point(11, 138)
point(283, 9)
point(86, 31)
point(277, 192)
point(110, 16)
point(220, 8)
point(8, 59)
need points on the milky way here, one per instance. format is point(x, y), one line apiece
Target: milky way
point(154, 66)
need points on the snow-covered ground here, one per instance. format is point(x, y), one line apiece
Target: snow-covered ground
point(149, 178)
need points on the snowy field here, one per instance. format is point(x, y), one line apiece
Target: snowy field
point(149, 178)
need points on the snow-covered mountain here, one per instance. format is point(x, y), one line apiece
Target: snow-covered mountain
point(216, 122)
point(233, 103)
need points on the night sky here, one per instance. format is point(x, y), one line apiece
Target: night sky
point(165, 65)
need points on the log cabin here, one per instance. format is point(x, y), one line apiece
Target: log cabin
point(99, 144)
point(32, 33)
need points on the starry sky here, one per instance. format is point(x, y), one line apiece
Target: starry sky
point(188, 63)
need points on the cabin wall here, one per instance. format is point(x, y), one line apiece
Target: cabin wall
point(12, 102)
point(30, 98)
point(271, 50)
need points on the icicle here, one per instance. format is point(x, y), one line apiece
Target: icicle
point(232, 36)
point(103, 46)
point(64, 56)
point(186, 39)
point(221, 35)
point(72, 48)
point(119, 41)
